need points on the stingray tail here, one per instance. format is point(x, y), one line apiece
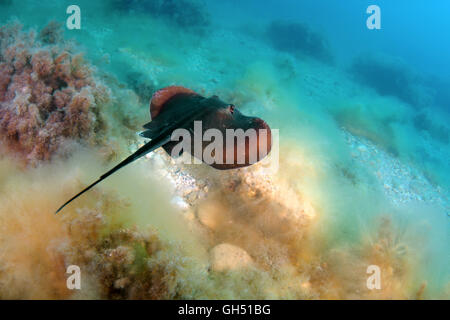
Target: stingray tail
point(148, 147)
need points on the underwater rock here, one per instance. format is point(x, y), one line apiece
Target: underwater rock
point(48, 95)
point(229, 257)
point(210, 214)
point(295, 37)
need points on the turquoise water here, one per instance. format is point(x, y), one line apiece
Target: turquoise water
point(363, 114)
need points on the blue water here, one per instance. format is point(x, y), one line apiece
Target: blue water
point(413, 30)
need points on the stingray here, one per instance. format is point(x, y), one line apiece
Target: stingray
point(176, 107)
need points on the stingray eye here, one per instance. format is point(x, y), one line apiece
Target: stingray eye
point(231, 108)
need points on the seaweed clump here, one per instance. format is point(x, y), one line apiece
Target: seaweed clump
point(52, 33)
point(126, 263)
point(440, 132)
point(143, 88)
point(296, 37)
point(389, 77)
point(36, 247)
point(184, 13)
point(48, 95)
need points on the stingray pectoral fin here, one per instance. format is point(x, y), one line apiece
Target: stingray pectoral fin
point(148, 147)
point(148, 125)
point(151, 131)
point(146, 134)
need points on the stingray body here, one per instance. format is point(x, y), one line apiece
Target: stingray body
point(175, 107)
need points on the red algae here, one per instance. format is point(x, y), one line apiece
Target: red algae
point(48, 95)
